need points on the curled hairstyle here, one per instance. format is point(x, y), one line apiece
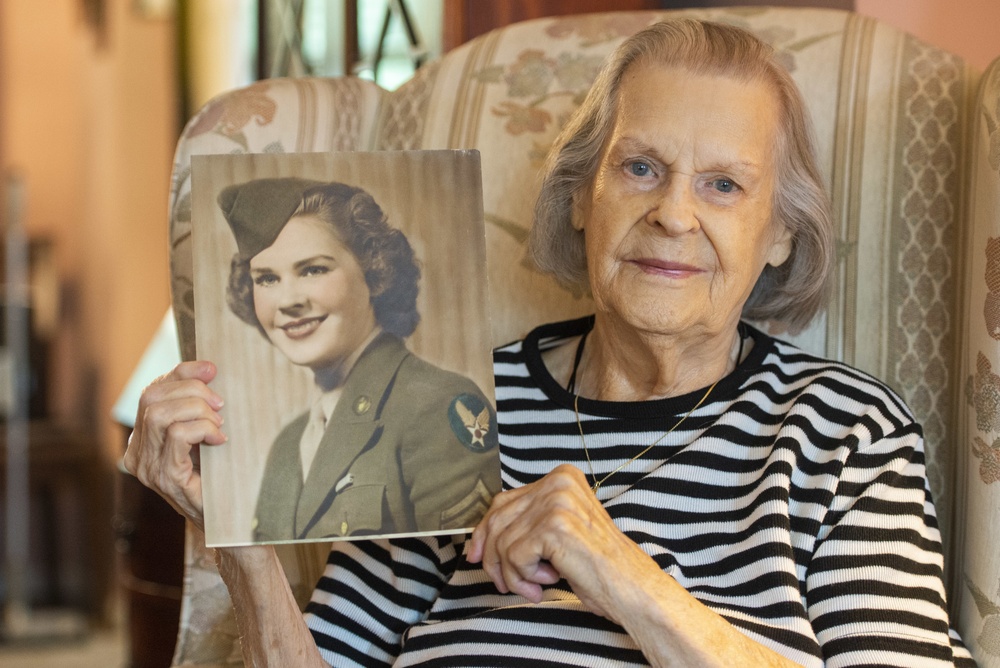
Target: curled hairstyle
point(791, 293)
point(391, 271)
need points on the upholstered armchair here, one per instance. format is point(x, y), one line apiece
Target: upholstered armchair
point(909, 144)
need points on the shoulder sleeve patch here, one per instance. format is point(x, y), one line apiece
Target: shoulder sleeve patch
point(472, 420)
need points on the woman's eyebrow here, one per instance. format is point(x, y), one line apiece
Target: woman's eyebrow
point(628, 144)
point(741, 169)
point(309, 260)
point(297, 265)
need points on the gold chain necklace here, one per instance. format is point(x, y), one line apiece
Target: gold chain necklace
point(597, 483)
point(571, 386)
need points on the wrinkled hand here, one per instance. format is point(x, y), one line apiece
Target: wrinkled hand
point(177, 413)
point(553, 528)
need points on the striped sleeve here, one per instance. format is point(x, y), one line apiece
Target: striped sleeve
point(874, 588)
point(372, 591)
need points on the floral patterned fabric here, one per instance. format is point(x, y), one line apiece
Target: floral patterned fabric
point(890, 115)
point(976, 591)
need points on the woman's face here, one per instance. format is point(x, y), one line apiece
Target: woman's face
point(310, 294)
point(677, 222)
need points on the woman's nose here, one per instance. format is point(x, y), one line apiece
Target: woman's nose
point(291, 298)
point(674, 208)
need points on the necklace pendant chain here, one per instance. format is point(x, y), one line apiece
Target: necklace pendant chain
point(571, 386)
point(597, 483)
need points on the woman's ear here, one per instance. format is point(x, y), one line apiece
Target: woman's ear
point(378, 283)
point(781, 246)
point(581, 207)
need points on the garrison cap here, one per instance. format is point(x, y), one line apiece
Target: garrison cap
point(258, 210)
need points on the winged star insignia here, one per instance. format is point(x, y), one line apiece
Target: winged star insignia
point(478, 425)
point(470, 419)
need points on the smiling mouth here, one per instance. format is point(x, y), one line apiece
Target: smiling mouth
point(302, 328)
point(665, 267)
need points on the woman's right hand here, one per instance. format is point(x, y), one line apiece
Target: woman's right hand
point(177, 412)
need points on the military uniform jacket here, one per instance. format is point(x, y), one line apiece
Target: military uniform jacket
point(409, 447)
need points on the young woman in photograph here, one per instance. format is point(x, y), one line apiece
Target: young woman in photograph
point(392, 443)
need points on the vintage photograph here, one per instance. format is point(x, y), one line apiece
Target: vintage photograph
point(343, 298)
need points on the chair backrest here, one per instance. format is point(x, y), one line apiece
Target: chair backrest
point(892, 118)
point(975, 564)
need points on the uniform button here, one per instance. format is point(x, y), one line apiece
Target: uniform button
point(343, 528)
point(253, 525)
point(362, 404)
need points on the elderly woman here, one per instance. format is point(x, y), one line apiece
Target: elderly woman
point(385, 448)
point(680, 488)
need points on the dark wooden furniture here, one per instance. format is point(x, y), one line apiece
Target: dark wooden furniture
point(465, 19)
point(70, 551)
point(151, 540)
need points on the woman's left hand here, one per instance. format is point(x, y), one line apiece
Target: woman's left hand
point(555, 527)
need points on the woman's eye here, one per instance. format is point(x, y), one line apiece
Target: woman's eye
point(265, 280)
point(639, 168)
point(314, 270)
point(724, 185)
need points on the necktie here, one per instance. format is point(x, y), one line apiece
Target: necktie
point(312, 436)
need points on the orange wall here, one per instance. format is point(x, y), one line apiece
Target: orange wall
point(91, 128)
point(964, 27)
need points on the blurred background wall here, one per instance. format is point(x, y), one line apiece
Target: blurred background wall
point(88, 118)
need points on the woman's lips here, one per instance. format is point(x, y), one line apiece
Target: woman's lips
point(665, 268)
point(302, 328)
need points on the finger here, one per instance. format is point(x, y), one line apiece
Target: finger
point(185, 379)
point(171, 466)
point(202, 370)
point(515, 559)
point(181, 437)
point(148, 439)
point(160, 415)
point(174, 475)
point(545, 573)
point(477, 542)
point(489, 523)
point(185, 436)
point(168, 391)
point(517, 582)
point(489, 528)
point(474, 552)
point(523, 563)
point(527, 578)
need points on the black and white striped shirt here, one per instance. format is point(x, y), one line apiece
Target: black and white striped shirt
point(793, 502)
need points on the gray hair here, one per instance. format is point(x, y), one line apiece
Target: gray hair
point(791, 293)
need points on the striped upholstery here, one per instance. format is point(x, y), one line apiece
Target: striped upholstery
point(976, 559)
point(892, 119)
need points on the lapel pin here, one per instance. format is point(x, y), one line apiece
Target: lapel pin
point(362, 404)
